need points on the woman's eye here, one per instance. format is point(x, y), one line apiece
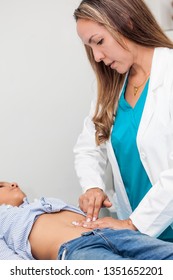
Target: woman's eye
point(100, 42)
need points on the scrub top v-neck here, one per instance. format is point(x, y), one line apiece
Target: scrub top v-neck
point(123, 140)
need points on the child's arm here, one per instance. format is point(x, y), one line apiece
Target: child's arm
point(6, 253)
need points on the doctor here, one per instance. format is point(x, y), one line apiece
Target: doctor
point(131, 121)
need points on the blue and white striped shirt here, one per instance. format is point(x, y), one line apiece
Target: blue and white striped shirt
point(16, 224)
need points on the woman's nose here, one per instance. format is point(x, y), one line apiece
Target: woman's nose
point(98, 56)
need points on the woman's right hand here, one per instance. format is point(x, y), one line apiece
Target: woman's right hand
point(91, 202)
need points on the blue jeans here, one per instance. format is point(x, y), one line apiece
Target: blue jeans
point(109, 244)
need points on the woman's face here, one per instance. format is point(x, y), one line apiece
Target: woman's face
point(104, 47)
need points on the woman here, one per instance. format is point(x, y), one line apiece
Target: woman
point(131, 122)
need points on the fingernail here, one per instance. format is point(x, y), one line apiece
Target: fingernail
point(84, 225)
point(94, 219)
point(88, 220)
point(75, 223)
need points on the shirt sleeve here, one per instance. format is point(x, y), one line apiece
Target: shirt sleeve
point(6, 253)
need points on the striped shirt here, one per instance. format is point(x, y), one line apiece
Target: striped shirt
point(16, 223)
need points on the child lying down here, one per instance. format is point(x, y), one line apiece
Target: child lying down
point(45, 229)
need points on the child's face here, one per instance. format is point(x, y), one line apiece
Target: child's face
point(11, 194)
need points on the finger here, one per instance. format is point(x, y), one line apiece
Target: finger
point(90, 210)
point(98, 224)
point(98, 205)
point(107, 203)
point(83, 203)
point(101, 201)
point(90, 225)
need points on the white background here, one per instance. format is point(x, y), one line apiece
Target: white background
point(46, 85)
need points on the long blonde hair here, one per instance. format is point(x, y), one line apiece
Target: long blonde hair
point(115, 16)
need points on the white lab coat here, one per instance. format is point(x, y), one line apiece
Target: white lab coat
point(155, 145)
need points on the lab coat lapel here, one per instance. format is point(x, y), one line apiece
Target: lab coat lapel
point(156, 81)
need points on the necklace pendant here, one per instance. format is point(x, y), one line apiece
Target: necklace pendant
point(135, 90)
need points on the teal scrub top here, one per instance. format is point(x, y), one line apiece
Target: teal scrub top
point(123, 140)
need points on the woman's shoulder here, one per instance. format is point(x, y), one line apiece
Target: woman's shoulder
point(163, 59)
point(163, 51)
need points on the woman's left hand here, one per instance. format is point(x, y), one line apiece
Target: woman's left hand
point(107, 222)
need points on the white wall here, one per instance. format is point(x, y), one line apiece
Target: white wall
point(163, 11)
point(46, 86)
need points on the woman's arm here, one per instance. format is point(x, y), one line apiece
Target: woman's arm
point(90, 164)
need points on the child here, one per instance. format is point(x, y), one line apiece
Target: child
point(45, 229)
